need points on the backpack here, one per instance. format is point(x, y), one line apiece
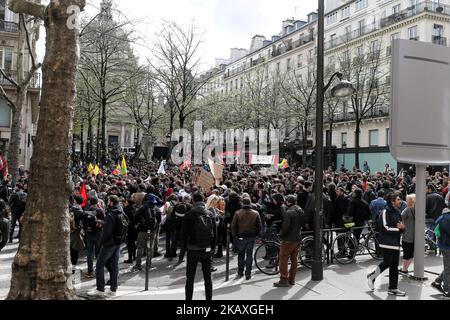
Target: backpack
point(203, 230)
point(90, 221)
point(120, 229)
point(148, 220)
point(22, 196)
point(443, 228)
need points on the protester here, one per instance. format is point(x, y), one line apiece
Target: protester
point(199, 236)
point(408, 217)
point(245, 227)
point(293, 221)
point(113, 236)
point(389, 238)
point(442, 283)
point(5, 216)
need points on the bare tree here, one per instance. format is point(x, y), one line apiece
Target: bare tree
point(300, 98)
point(366, 73)
point(41, 266)
point(28, 29)
point(107, 63)
point(141, 103)
point(177, 69)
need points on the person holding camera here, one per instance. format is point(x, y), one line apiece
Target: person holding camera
point(391, 227)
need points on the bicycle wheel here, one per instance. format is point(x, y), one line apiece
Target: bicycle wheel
point(306, 252)
point(345, 248)
point(373, 247)
point(266, 258)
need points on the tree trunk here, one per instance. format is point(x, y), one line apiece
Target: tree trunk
point(357, 134)
point(305, 145)
point(21, 95)
point(104, 150)
point(16, 137)
point(97, 150)
point(89, 148)
point(41, 266)
point(82, 139)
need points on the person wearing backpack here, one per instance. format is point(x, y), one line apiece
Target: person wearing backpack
point(408, 218)
point(442, 283)
point(92, 221)
point(4, 223)
point(147, 219)
point(114, 231)
point(199, 236)
point(390, 225)
point(17, 203)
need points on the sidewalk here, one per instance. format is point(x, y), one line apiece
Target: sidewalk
point(341, 282)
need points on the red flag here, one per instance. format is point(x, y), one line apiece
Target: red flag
point(84, 194)
point(186, 164)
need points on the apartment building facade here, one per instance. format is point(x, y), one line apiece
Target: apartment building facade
point(353, 29)
point(9, 36)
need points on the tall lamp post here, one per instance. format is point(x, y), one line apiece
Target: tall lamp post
point(344, 146)
point(342, 89)
point(169, 145)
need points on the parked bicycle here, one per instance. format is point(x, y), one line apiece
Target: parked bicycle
point(345, 247)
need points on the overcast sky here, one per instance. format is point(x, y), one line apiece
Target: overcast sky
point(226, 23)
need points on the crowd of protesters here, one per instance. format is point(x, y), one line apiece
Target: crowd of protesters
point(244, 205)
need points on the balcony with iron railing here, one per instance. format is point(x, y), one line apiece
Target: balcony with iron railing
point(295, 44)
point(439, 40)
point(8, 26)
point(378, 112)
point(34, 83)
point(409, 12)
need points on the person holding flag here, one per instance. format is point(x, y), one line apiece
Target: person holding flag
point(90, 168)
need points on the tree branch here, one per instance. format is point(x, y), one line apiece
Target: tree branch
point(23, 6)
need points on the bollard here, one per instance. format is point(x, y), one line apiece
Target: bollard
point(227, 273)
point(148, 260)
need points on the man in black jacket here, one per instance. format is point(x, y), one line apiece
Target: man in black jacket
point(293, 221)
point(17, 203)
point(92, 220)
point(391, 227)
point(435, 204)
point(147, 218)
point(110, 249)
point(197, 249)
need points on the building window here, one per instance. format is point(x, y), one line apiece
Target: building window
point(333, 39)
point(344, 139)
point(6, 59)
point(288, 64)
point(5, 114)
point(332, 18)
point(361, 4)
point(328, 138)
point(388, 138)
point(373, 138)
point(412, 33)
point(278, 68)
point(345, 12)
point(361, 27)
point(348, 33)
point(360, 51)
point(300, 60)
point(396, 9)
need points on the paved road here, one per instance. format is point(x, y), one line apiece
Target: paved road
point(167, 280)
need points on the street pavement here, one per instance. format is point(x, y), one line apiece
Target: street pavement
point(167, 280)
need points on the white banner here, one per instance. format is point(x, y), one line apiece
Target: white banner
point(255, 159)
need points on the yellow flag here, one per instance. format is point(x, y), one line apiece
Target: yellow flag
point(96, 170)
point(90, 168)
point(124, 169)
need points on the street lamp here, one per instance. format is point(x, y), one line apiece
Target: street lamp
point(342, 89)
